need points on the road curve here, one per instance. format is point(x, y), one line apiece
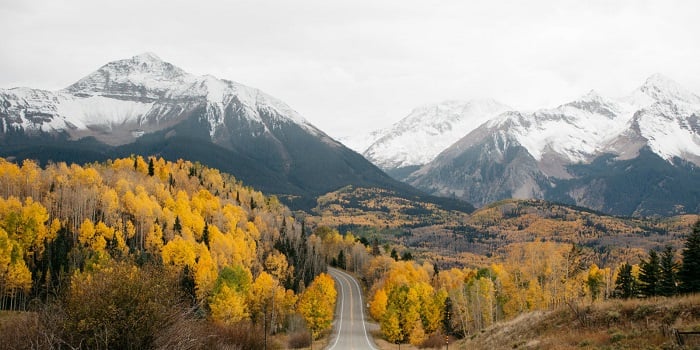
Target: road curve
point(349, 329)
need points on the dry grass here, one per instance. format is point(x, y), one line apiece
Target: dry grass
point(613, 324)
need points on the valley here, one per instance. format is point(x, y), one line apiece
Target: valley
point(242, 220)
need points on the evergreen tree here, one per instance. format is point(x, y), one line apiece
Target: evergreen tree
point(177, 226)
point(375, 247)
point(151, 167)
point(689, 274)
point(394, 255)
point(446, 321)
point(650, 275)
point(625, 284)
point(669, 282)
point(205, 234)
point(341, 260)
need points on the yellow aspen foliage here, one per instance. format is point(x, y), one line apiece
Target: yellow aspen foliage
point(317, 304)
point(454, 278)
point(119, 240)
point(86, 233)
point(25, 223)
point(205, 203)
point(18, 277)
point(228, 306)
point(14, 274)
point(514, 303)
point(161, 169)
point(221, 247)
point(154, 239)
point(276, 264)
point(252, 231)
point(483, 302)
point(85, 176)
point(5, 249)
point(109, 200)
point(411, 310)
point(595, 281)
point(102, 230)
point(289, 302)
point(406, 272)
point(205, 273)
point(433, 307)
point(10, 178)
point(53, 229)
point(378, 266)
point(377, 307)
point(231, 216)
point(534, 296)
point(417, 335)
point(191, 221)
point(179, 252)
point(123, 164)
point(391, 327)
point(262, 293)
point(141, 165)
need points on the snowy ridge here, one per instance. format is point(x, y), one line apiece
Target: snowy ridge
point(578, 130)
point(660, 114)
point(133, 92)
point(427, 131)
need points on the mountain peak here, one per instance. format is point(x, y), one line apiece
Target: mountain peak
point(591, 95)
point(147, 57)
point(145, 73)
point(419, 137)
point(660, 88)
point(658, 79)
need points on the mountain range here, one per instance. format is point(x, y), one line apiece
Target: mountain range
point(635, 155)
point(144, 105)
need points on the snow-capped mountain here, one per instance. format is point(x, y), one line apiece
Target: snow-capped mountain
point(551, 153)
point(143, 105)
point(419, 137)
point(128, 98)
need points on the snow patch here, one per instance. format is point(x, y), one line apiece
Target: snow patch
point(99, 110)
point(419, 137)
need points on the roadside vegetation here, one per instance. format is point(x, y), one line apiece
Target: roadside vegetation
point(143, 253)
point(140, 253)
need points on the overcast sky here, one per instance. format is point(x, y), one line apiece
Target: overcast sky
point(351, 66)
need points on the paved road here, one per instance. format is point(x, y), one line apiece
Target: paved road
point(349, 329)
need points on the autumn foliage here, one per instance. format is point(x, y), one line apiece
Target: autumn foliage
point(234, 255)
point(317, 304)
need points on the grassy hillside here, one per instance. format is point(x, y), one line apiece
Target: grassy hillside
point(486, 232)
point(614, 324)
point(353, 207)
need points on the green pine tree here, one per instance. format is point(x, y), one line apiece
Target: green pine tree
point(177, 226)
point(689, 275)
point(669, 270)
point(626, 283)
point(341, 260)
point(650, 275)
point(151, 167)
point(205, 234)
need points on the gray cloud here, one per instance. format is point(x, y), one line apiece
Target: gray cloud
point(354, 65)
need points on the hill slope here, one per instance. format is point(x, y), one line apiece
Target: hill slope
point(617, 324)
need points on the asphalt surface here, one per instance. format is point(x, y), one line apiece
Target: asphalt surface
point(349, 327)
